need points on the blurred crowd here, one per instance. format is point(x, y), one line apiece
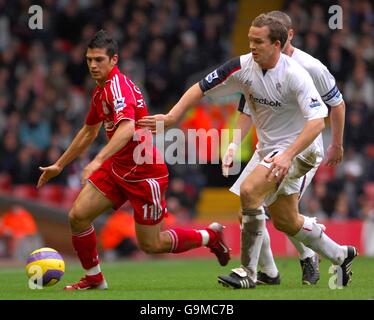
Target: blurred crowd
point(45, 86)
point(346, 191)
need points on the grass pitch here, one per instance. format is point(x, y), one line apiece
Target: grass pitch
point(161, 279)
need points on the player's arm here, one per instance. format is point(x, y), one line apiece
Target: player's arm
point(335, 150)
point(83, 139)
point(326, 86)
point(314, 111)
point(243, 123)
point(281, 163)
point(121, 137)
point(220, 82)
point(189, 99)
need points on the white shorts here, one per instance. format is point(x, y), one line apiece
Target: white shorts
point(298, 178)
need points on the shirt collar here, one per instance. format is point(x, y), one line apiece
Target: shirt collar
point(114, 71)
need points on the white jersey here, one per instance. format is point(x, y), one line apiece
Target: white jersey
point(323, 80)
point(280, 100)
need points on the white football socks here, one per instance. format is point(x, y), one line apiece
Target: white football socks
point(312, 235)
point(94, 270)
point(304, 251)
point(266, 260)
point(253, 225)
point(204, 236)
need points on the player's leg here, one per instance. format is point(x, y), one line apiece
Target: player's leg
point(150, 207)
point(286, 218)
point(98, 195)
point(89, 204)
point(253, 190)
point(309, 262)
point(153, 240)
point(266, 259)
point(269, 273)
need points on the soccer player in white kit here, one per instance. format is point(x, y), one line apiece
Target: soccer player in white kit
point(326, 86)
point(289, 116)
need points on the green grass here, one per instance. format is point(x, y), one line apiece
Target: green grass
point(189, 279)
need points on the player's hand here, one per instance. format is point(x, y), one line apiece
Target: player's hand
point(48, 173)
point(228, 158)
point(89, 169)
point(279, 168)
point(334, 155)
point(149, 122)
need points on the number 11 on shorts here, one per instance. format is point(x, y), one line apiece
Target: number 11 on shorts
point(150, 212)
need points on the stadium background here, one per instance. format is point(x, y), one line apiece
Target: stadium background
point(164, 47)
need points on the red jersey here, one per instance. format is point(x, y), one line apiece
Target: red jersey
point(119, 100)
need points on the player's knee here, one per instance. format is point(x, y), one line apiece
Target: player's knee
point(76, 219)
point(248, 194)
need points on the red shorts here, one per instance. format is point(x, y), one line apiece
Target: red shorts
point(147, 196)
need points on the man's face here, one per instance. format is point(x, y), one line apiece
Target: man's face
point(260, 45)
point(99, 63)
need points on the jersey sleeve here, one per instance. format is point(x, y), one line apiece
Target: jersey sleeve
point(326, 86)
point(121, 97)
point(308, 98)
point(223, 80)
point(243, 106)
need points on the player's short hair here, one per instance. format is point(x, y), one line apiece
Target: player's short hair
point(277, 31)
point(284, 18)
point(102, 40)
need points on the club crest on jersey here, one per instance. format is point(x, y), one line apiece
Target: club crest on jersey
point(278, 86)
point(119, 104)
point(105, 108)
point(211, 76)
point(314, 103)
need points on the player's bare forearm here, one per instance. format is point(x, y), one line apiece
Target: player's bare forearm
point(243, 123)
point(80, 143)
point(190, 98)
point(281, 164)
point(310, 132)
point(121, 137)
point(82, 140)
point(337, 118)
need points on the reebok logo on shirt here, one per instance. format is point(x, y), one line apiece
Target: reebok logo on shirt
point(265, 101)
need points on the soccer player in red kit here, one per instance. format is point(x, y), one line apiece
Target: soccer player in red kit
point(114, 177)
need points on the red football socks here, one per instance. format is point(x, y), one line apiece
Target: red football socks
point(85, 245)
point(185, 239)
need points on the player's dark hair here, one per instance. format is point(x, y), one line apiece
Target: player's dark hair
point(284, 18)
point(102, 40)
point(277, 31)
